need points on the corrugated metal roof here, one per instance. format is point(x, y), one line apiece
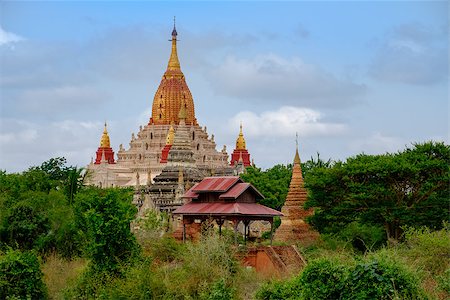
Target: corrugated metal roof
point(216, 184)
point(227, 209)
point(190, 194)
point(235, 191)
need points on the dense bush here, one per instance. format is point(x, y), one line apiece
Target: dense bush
point(323, 279)
point(328, 279)
point(20, 276)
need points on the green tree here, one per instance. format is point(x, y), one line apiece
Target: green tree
point(20, 276)
point(390, 191)
point(103, 217)
point(24, 226)
point(273, 183)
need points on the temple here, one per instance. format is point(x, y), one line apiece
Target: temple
point(240, 153)
point(293, 226)
point(149, 149)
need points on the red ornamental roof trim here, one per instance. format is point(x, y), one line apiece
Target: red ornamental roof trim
point(238, 189)
point(227, 209)
point(216, 184)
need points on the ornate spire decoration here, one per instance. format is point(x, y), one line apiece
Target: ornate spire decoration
point(104, 141)
point(170, 136)
point(104, 152)
point(173, 92)
point(182, 113)
point(174, 63)
point(240, 153)
point(240, 141)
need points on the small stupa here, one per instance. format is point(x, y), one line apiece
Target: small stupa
point(240, 153)
point(104, 151)
point(293, 226)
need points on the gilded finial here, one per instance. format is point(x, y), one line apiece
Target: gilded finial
point(170, 136)
point(174, 63)
point(240, 141)
point(104, 141)
point(182, 113)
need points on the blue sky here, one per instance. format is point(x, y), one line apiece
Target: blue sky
point(349, 77)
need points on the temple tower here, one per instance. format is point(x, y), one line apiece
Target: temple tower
point(293, 226)
point(148, 150)
point(240, 153)
point(105, 150)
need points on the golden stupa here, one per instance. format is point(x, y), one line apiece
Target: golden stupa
point(172, 93)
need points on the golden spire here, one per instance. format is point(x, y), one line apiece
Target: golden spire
point(172, 93)
point(182, 113)
point(240, 142)
point(174, 63)
point(104, 142)
point(170, 136)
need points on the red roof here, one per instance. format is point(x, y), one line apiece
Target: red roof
point(226, 209)
point(238, 189)
point(190, 194)
point(216, 184)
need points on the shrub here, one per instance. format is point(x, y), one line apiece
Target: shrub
point(381, 280)
point(219, 291)
point(363, 237)
point(279, 290)
point(323, 279)
point(20, 276)
point(328, 279)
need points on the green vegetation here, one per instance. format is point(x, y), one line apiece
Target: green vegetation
point(390, 191)
point(62, 240)
point(21, 276)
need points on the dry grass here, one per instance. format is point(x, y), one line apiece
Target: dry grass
point(60, 273)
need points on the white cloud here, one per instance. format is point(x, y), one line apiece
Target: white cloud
point(288, 81)
point(8, 37)
point(62, 98)
point(412, 54)
point(377, 143)
point(286, 121)
point(24, 144)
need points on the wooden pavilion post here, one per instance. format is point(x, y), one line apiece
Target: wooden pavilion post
point(220, 223)
point(184, 232)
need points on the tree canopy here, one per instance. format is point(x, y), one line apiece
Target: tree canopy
point(390, 190)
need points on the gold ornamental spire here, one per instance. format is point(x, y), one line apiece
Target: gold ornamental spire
point(170, 136)
point(240, 142)
point(104, 141)
point(174, 63)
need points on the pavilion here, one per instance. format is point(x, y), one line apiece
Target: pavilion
point(223, 199)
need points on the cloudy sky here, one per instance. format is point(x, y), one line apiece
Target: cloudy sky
point(349, 77)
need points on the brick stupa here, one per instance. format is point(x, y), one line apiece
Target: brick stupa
point(293, 226)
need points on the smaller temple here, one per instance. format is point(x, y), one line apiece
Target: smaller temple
point(293, 226)
point(104, 152)
point(240, 153)
point(222, 199)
